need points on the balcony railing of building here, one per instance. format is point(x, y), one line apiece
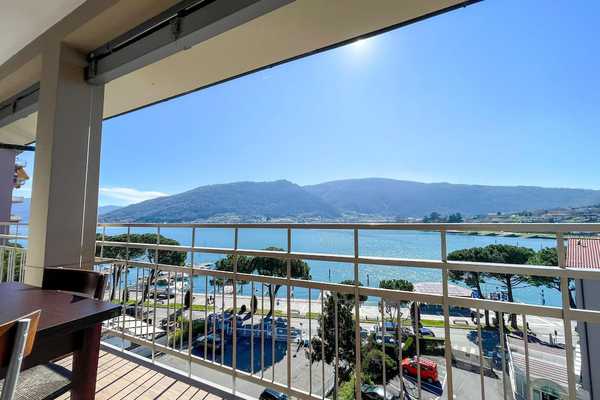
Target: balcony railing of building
point(13, 252)
point(196, 318)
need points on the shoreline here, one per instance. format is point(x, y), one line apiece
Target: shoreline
point(505, 234)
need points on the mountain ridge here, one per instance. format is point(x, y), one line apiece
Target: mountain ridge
point(246, 200)
point(340, 199)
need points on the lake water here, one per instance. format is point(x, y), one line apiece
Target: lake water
point(402, 244)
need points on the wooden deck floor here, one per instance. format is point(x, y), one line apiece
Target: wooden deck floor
point(122, 379)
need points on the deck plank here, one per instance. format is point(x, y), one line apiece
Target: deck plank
point(121, 379)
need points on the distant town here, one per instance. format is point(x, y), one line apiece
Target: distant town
point(567, 214)
point(587, 214)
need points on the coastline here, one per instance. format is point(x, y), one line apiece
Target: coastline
point(505, 234)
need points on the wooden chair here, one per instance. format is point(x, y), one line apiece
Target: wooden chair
point(16, 342)
point(49, 381)
point(81, 281)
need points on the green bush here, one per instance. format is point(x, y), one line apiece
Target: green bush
point(372, 366)
point(182, 331)
point(346, 390)
point(408, 348)
point(432, 346)
point(17, 260)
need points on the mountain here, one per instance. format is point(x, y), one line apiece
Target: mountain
point(390, 197)
point(245, 200)
point(106, 209)
point(22, 209)
point(337, 200)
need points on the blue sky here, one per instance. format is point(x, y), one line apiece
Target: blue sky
point(503, 92)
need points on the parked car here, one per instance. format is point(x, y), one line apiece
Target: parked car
point(270, 394)
point(389, 339)
point(372, 392)
point(426, 332)
point(364, 333)
point(429, 370)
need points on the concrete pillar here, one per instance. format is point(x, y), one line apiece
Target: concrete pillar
point(7, 174)
point(65, 180)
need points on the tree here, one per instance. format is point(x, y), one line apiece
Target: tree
point(170, 257)
point(548, 256)
point(494, 253)
point(433, 217)
point(372, 364)
point(394, 307)
point(5, 255)
point(227, 264)
point(342, 306)
point(455, 218)
point(350, 297)
point(267, 266)
point(167, 257)
point(474, 280)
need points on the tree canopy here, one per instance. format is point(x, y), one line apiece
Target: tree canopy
point(505, 254)
point(268, 266)
point(549, 257)
point(164, 256)
point(342, 305)
point(350, 297)
point(393, 308)
point(436, 217)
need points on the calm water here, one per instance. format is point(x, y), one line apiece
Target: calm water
point(405, 244)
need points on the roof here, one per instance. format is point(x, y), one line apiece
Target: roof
point(425, 361)
point(583, 253)
point(436, 288)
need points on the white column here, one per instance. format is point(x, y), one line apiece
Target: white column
point(64, 200)
point(90, 212)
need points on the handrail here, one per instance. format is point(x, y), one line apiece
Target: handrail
point(448, 227)
point(133, 322)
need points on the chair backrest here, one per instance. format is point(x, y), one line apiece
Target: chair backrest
point(16, 342)
point(89, 283)
point(8, 332)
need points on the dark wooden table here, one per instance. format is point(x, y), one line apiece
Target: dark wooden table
point(68, 324)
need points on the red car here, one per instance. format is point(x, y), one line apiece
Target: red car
point(429, 370)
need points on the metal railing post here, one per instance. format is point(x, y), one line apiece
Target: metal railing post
point(288, 276)
point(235, 310)
point(566, 307)
point(480, 346)
point(191, 310)
point(526, 346)
point(155, 294)
point(357, 337)
point(383, 354)
point(446, 309)
point(503, 354)
point(125, 288)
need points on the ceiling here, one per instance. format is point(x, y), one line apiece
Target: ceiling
point(302, 27)
point(24, 20)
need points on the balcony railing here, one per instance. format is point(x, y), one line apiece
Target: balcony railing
point(13, 253)
point(234, 335)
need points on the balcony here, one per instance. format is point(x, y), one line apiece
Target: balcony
point(129, 377)
point(238, 345)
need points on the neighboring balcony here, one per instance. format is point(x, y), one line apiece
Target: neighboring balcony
point(260, 320)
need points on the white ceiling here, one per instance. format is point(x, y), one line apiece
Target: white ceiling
point(23, 20)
